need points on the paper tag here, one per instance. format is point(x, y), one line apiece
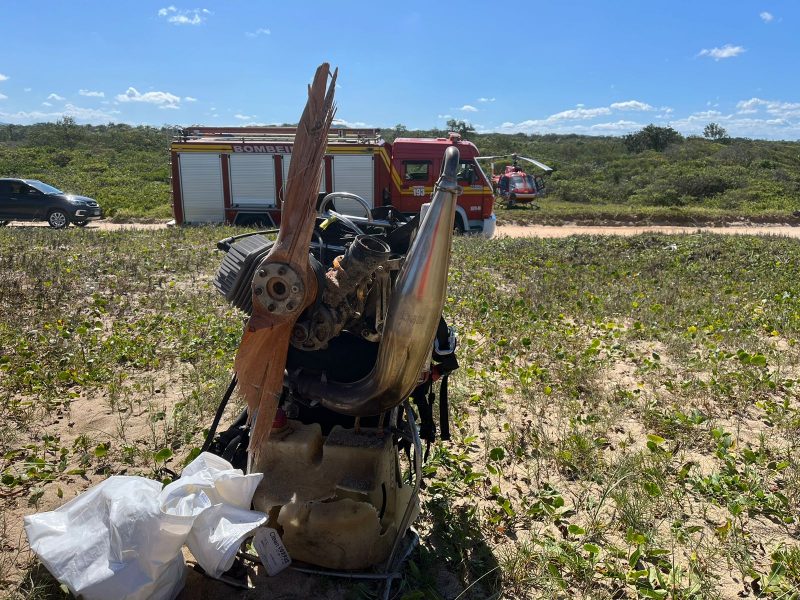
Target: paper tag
point(271, 550)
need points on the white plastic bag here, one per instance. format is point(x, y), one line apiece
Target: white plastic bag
point(108, 543)
point(122, 538)
point(217, 535)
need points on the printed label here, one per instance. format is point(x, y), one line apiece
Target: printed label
point(263, 148)
point(271, 550)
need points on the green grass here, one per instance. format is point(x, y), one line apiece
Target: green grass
point(692, 179)
point(596, 178)
point(126, 169)
point(625, 418)
point(628, 413)
point(552, 211)
point(127, 184)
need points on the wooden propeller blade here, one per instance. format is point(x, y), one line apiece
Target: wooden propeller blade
point(285, 284)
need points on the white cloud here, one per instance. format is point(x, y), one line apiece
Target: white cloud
point(258, 32)
point(46, 104)
point(468, 108)
point(242, 117)
point(444, 116)
point(749, 106)
point(55, 96)
point(3, 97)
point(739, 126)
point(184, 16)
point(754, 118)
point(580, 113)
point(3, 77)
point(160, 99)
point(486, 99)
point(569, 121)
point(776, 108)
point(27, 90)
point(727, 51)
point(617, 126)
point(91, 94)
point(189, 99)
point(705, 115)
point(632, 105)
point(766, 16)
point(80, 114)
point(88, 114)
point(351, 124)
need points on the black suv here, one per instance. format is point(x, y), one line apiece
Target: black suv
point(32, 200)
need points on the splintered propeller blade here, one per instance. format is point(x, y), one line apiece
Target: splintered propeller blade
point(284, 285)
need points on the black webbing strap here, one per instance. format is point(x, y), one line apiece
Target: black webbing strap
point(446, 363)
point(424, 398)
point(444, 411)
point(217, 417)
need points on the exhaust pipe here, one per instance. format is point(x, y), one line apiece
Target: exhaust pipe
point(413, 315)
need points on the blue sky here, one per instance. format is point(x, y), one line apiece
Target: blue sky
point(605, 67)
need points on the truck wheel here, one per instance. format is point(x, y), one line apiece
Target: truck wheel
point(57, 219)
point(458, 226)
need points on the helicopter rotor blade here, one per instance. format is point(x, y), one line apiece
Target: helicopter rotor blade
point(493, 157)
point(541, 165)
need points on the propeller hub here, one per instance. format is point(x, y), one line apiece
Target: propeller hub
point(278, 288)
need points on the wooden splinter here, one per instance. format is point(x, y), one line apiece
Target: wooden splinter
point(285, 284)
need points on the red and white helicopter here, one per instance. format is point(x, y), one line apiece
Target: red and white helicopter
point(514, 185)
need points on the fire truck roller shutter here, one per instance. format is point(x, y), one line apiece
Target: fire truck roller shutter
point(252, 180)
point(201, 187)
point(287, 160)
point(354, 174)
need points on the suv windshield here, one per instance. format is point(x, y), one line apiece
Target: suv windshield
point(43, 187)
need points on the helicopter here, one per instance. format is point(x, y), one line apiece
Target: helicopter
point(514, 185)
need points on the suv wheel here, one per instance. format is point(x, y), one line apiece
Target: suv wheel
point(57, 219)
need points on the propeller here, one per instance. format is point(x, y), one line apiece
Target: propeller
point(284, 283)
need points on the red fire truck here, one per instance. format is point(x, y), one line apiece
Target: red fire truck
point(237, 175)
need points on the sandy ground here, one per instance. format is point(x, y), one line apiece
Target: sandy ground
point(91, 416)
point(559, 231)
point(101, 225)
point(541, 231)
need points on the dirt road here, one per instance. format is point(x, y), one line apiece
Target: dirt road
point(559, 231)
point(101, 225)
point(542, 231)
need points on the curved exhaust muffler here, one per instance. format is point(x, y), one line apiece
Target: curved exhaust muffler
point(413, 315)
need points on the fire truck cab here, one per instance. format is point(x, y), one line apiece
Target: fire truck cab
point(238, 175)
point(416, 164)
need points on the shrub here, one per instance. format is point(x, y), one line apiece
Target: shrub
point(652, 137)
